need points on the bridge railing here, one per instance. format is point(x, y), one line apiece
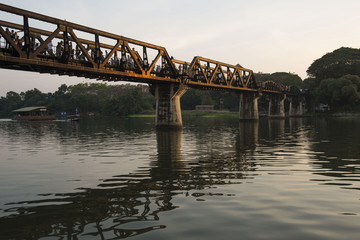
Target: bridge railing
point(102, 54)
point(44, 44)
point(207, 73)
point(271, 86)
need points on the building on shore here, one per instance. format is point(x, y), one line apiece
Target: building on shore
point(34, 113)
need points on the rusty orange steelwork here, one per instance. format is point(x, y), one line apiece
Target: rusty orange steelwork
point(66, 48)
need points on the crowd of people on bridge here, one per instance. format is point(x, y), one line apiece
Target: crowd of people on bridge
point(14, 37)
point(73, 50)
point(82, 53)
point(125, 60)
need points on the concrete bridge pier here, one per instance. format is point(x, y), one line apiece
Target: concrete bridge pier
point(277, 106)
point(296, 107)
point(168, 110)
point(248, 106)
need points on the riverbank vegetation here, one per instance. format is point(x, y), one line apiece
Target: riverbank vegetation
point(94, 98)
point(334, 80)
point(110, 100)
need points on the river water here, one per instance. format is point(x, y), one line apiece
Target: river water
point(217, 178)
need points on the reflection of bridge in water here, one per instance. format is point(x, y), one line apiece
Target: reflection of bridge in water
point(131, 204)
point(65, 48)
point(139, 197)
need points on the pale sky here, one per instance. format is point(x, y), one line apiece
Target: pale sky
point(263, 35)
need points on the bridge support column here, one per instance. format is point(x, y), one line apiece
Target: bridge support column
point(168, 111)
point(248, 106)
point(296, 107)
point(277, 106)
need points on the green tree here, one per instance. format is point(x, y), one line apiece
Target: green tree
point(35, 97)
point(87, 97)
point(311, 83)
point(60, 98)
point(94, 97)
point(206, 98)
point(133, 101)
point(311, 100)
point(287, 79)
point(62, 90)
point(9, 103)
point(340, 93)
point(190, 99)
point(336, 64)
point(228, 100)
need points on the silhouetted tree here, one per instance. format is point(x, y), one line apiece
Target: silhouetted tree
point(340, 93)
point(336, 64)
point(35, 97)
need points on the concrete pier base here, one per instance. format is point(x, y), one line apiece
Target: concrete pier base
point(168, 110)
point(277, 106)
point(296, 107)
point(248, 106)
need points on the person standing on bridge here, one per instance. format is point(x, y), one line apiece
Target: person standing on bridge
point(16, 39)
point(12, 35)
point(77, 52)
point(50, 48)
point(58, 49)
point(36, 46)
point(71, 51)
point(7, 43)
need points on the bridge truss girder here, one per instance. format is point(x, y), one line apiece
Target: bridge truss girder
point(95, 54)
point(121, 60)
point(207, 73)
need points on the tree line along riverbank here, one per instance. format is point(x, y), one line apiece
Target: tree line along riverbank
point(333, 81)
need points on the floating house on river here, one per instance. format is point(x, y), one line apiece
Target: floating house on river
point(34, 113)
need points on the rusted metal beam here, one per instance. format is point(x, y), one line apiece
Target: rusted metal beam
point(83, 50)
point(26, 47)
point(203, 73)
point(134, 57)
point(223, 75)
point(66, 52)
point(11, 42)
point(155, 61)
point(210, 73)
point(97, 58)
point(115, 48)
point(22, 62)
point(47, 41)
point(56, 21)
point(221, 63)
point(214, 73)
point(35, 32)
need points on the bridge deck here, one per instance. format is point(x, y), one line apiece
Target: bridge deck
point(65, 48)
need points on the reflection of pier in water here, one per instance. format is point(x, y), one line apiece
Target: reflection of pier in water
point(116, 203)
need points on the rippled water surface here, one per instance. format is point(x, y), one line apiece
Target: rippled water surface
point(214, 179)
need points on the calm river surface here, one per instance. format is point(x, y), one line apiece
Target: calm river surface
point(214, 179)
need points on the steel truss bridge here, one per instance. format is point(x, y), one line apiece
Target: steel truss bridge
point(64, 48)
